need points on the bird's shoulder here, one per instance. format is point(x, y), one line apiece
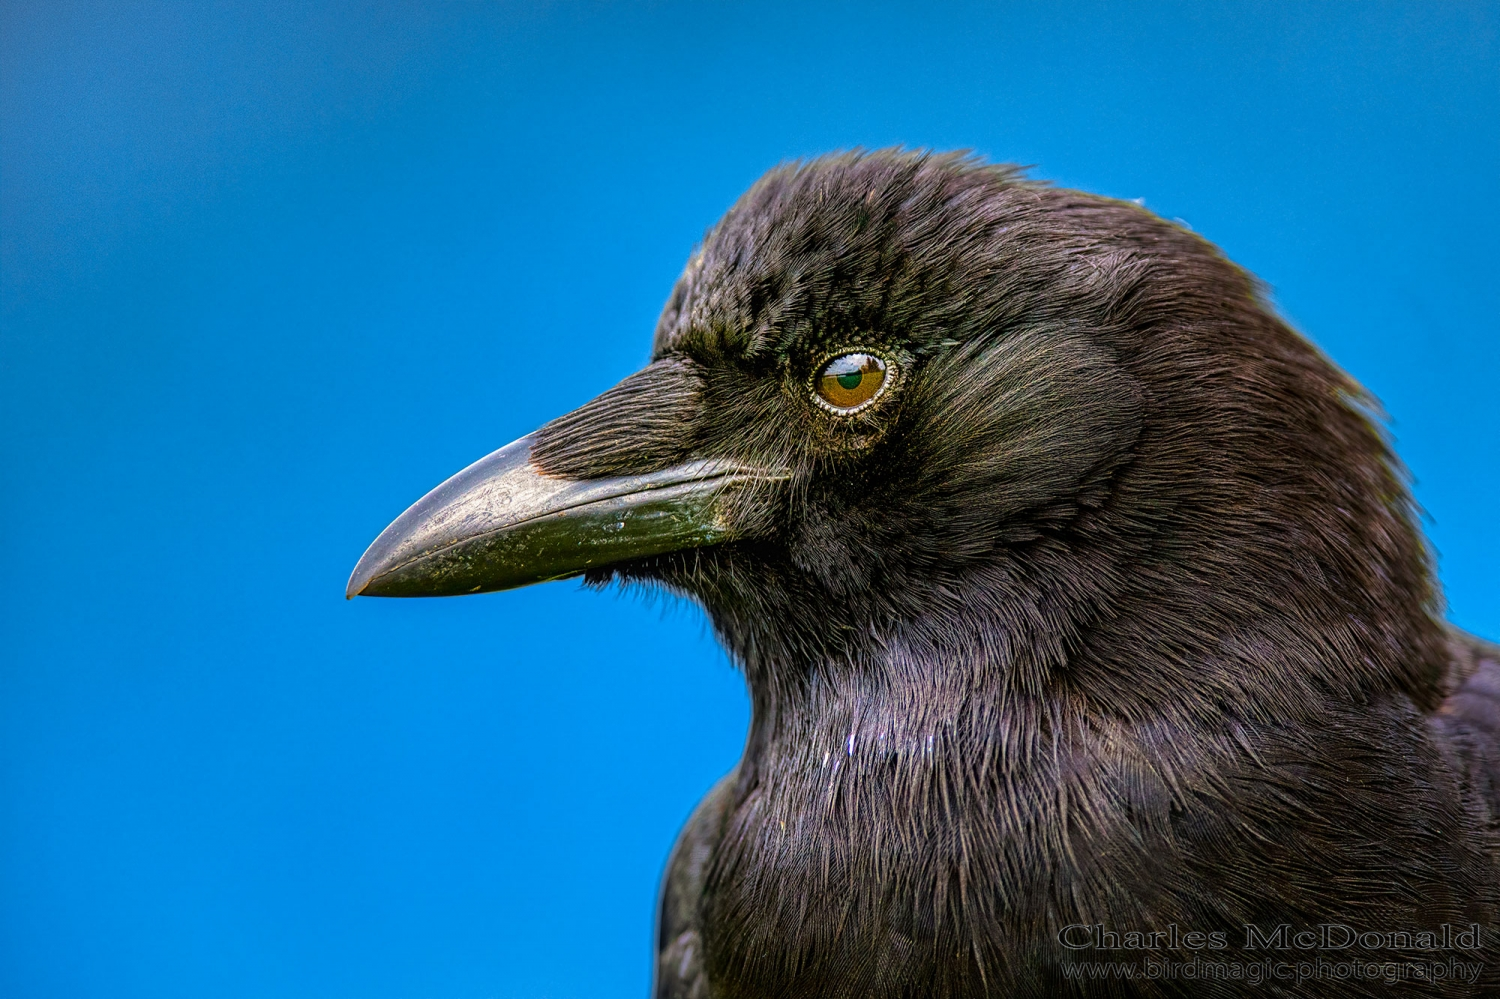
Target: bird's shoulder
point(1467, 720)
point(679, 936)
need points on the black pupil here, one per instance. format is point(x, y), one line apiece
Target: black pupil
point(850, 379)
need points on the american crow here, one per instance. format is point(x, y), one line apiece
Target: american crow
point(1092, 643)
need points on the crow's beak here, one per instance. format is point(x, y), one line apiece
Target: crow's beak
point(502, 523)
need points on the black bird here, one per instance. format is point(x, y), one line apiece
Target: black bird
point(1082, 605)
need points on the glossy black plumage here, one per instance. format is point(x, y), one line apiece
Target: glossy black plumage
point(1111, 611)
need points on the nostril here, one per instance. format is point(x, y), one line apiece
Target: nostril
point(644, 424)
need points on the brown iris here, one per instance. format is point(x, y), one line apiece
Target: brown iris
point(850, 381)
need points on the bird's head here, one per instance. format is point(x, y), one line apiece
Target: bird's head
point(900, 399)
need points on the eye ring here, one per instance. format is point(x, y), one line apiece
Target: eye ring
point(851, 381)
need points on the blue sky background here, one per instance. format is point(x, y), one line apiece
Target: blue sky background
point(269, 272)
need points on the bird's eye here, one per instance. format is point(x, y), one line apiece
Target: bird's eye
point(851, 381)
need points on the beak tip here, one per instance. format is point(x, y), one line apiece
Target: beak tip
point(360, 579)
